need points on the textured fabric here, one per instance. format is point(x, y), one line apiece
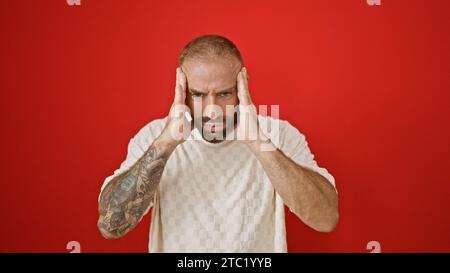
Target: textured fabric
point(217, 197)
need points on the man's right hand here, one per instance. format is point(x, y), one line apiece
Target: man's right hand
point(178, 127)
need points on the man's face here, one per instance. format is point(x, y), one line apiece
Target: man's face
point(211, 87)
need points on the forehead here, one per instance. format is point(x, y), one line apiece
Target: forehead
point(211, 74)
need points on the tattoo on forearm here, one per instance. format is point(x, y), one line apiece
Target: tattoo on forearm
point(125, 199)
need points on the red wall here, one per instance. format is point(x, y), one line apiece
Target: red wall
point(367, 85)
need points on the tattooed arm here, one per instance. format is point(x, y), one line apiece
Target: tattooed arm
point(125, 199)
point(127, 196)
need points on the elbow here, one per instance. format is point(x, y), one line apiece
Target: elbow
point(324, 224)
point(330, 224)
point(107, 233)
point(325, 221)
point(331, 219)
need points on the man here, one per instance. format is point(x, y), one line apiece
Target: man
point(216, 182)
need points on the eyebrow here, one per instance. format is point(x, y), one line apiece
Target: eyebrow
point(231, 89)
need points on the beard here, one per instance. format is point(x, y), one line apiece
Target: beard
point(216, 131)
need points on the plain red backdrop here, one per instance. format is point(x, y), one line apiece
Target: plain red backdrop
point(368, 86)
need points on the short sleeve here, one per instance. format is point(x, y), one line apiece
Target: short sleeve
point(294, 145)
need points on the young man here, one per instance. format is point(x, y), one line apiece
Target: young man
point(217, 182)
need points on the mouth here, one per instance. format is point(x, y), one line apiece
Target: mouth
point(213, 127)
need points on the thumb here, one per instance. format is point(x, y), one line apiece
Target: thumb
point(242, 84)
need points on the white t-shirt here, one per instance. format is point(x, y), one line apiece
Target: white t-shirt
point(217, 197)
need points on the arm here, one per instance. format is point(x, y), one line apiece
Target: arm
point(126, 198)
point(307, 193)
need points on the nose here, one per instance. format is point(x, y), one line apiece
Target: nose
point(210, 109)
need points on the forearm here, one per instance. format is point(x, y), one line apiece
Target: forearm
point(126, 197)
point(307, 193)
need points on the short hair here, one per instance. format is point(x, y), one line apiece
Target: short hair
point(209, 46)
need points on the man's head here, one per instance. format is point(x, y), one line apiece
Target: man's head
point(211, 64)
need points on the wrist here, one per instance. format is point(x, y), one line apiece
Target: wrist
point(166, 145)
point(261, 144)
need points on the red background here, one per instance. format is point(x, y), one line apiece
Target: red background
point(367, 85)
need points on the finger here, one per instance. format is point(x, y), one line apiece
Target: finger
point(178, 89)
point(244, 70)
point(243, 93)
point(183, 83)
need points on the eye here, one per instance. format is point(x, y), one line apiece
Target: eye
point(197, 95)
point(224, 94)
